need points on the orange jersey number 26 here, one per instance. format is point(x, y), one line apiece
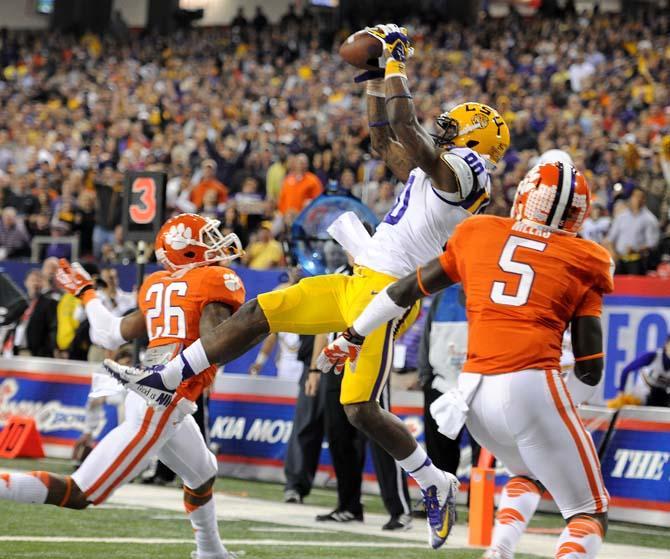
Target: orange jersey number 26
point(165, 311)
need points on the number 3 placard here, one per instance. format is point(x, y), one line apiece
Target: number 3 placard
point(144, 205)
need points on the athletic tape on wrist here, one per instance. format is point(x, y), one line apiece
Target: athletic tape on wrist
point(381, 310)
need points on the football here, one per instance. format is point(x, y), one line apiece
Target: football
point(361, 50)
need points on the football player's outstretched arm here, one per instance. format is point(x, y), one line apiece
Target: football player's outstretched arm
point(106, 329)
point(381, 136)
point(418, 145)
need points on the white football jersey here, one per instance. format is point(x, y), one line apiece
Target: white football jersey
point(423, 218)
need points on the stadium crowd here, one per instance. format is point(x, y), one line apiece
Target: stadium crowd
point(252, 121)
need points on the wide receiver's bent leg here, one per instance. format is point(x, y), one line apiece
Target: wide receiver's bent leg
point(186, 453)
point(312, 306)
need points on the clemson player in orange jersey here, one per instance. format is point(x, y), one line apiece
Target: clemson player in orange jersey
point(526, 278)
point(194, 293)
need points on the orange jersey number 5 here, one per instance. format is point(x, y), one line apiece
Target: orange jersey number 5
point(524, 271)
point(165, 318)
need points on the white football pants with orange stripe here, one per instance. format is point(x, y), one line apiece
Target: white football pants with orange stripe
point(527, 420)
point(169, 433)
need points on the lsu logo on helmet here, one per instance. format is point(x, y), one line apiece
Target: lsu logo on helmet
point(475, 126)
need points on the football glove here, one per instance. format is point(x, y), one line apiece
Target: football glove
point(75, 280)
point(395, 42)
point(147, 382)
point(334, 356)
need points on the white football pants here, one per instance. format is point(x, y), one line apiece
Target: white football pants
point(170, 433)
point(527, 420)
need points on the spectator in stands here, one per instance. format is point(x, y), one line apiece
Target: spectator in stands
point(596, 225)
point(299, 187)
point(276, 173)
point(21, 198)
point(231, 223)
point(73, 329)
point(59, 249)
point(580, 71)
point(112, 296)
point(208, 182)
point(260, 20)
point(634, 233)
point(35, 333)
point(385, 199)
point(108, 191)
point(265, 252)
point(606, 104)
point(85, 222)
point(14, 239)
point(239, 20)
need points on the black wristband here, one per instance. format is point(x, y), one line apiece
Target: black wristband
point(399, 97)
point(351, 336)
point(314, 370)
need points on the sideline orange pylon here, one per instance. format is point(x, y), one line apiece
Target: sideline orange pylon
point(482, 490)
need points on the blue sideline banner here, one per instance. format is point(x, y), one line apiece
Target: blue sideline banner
point(636, 465)
point(53, 392)
point(636, 319)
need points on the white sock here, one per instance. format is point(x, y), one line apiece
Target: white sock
point(422, 469)
point(192, 361)
point(518, 503)
point(203, 520)
point(23, 488)
point(581, 539)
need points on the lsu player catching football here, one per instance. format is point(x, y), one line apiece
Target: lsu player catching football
point(447, 180)
point(193, 294)
point(525, 279)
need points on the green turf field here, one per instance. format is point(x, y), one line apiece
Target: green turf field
point(27, 523)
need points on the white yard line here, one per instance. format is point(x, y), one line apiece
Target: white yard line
point(241, 508)
point(172, 541)
point(268, 530)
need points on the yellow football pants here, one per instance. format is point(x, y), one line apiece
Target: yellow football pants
point(331, 303)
